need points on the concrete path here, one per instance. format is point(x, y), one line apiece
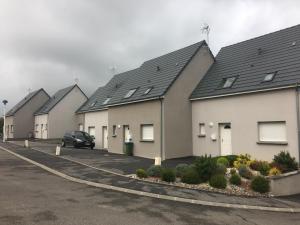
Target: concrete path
point(93, 175)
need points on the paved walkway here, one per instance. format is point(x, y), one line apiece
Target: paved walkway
point(89, 174)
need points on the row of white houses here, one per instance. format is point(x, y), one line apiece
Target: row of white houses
point(187, 102)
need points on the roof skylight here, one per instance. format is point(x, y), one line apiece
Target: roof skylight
point(228, 82)
point(269, 77)
point(106, 101)
point(93, 104)
point(130, 93)
point(148, 90)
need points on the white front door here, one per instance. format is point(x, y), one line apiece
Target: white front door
point(225, 139)
point(126, 133)
point(104, 137)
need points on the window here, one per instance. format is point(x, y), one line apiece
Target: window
point(42, 127)
point(80, 127)
point(114, 131)
point(46, 126)
point(92, 131)
point(11, 128)
point(36, 128)
point(202, 130)
point(269, 77)
point(228, 82)
point(130, 93)
point(106, 101)
point(148, 90)
point(272, 131)
point(147, 132)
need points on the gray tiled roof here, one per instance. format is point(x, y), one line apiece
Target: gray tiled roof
point(95, 102)
point(56, 98)
point(158, 73)
point(251, 60)
point(23, 102)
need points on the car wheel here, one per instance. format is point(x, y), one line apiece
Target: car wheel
point(63, 144)
point(92, 147)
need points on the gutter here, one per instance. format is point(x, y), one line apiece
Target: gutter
point(161, 129)
point(298, 118)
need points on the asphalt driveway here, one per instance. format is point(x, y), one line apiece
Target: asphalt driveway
point(102, 159)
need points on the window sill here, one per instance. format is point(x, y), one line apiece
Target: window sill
point(149, 141)
point(201, 135)
point(272, 142)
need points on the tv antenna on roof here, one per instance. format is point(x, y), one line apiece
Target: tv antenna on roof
point(76, 80)
point(206, 29)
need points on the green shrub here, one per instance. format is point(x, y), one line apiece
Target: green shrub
point(242, 160)
point(190, 176)
point(232, 171)
point(255, 165)
point(264, 168)
point(168, 175)
point(287, 162)
point(235, 179)
point(154, 171)
point(260, 184)
point(231, 159)
point(274, 171)
point(205, 166)
point(141, 173)
point(223, 161)
point(245, 172)
point(180, 169)
point(220, 169)
point(218, 181)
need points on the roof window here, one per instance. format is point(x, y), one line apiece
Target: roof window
point(106, 101)
point(228, 82)
point(148, 90)
point(269, 77)
point(93, 104)
point(130, 93)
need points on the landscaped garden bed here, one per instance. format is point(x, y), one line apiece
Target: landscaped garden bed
point(235, 175)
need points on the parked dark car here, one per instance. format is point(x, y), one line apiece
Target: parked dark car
point(78, 139)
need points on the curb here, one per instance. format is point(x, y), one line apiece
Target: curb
point(157, 196)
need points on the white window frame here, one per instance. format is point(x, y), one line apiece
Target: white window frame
point(11, 128)
point(272, 132)
point(202, 130)
point(150, 137)
point(130, 93)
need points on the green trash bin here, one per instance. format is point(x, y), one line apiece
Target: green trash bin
point(129, 148)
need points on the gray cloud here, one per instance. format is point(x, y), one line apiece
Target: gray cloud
point(47, 43)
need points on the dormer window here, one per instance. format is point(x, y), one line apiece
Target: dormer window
point(228, 82)
point(148, 90)
point(269, 77)
point(106, 101)
point(130, 93)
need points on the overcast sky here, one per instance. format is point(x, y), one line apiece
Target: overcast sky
point(49, 43)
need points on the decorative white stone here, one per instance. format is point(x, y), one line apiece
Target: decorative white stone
point(157, 161)
point(26, 144)
point(57, 152)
